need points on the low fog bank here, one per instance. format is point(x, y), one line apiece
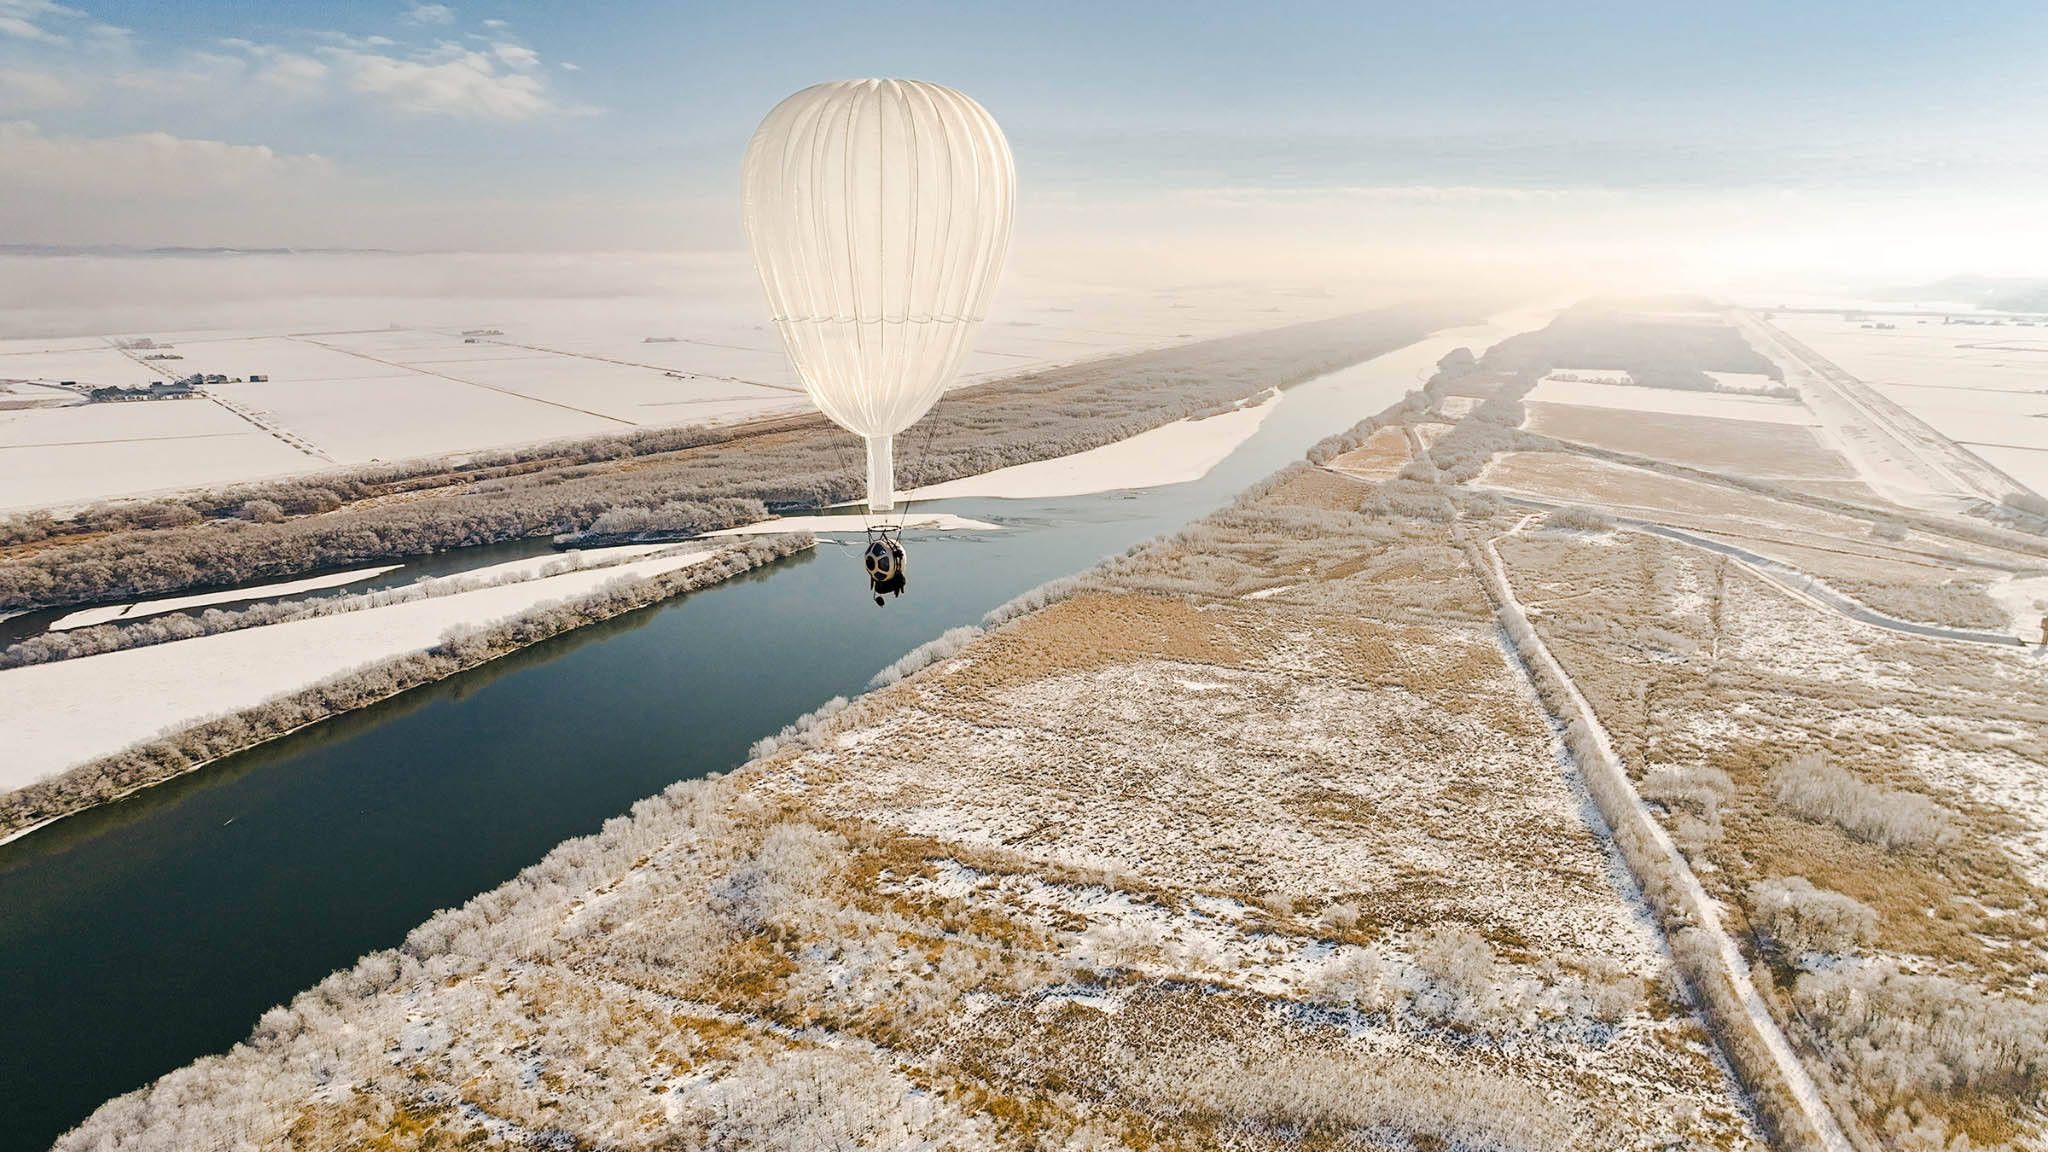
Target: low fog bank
point(99, 293)
point(626, 294)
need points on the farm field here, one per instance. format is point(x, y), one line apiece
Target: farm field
point(1776, 449)
point(1585, 393)
point(1983, 386)
point(382, 376)
point(88, 452)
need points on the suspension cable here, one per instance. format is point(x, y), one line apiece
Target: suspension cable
point(923, 455)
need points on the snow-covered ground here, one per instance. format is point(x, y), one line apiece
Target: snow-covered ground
point(1187, 449)
point(367, 357)
point(88, 452)
point(2025, 600)
point(1882, 459)
point(1551, 390)
point(108, 613)
point(1984, 386)
point(58, 715)
point(526, 569)
point(554, 564)
point(826, 525)
point(1175, 453)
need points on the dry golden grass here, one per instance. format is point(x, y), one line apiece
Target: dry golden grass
point(1737, 447)
point(1098, 630)
point(1576, 479)
point(1691, 662)
point(1379, 458)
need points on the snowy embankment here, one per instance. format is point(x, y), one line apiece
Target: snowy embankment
point(826, 525)
point(1671, 401)
point(110, 613)
point(507, 572)
point(1187, 450)
point(70, 712)
point(1175, 453)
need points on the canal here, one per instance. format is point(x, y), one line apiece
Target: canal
point(141, 935)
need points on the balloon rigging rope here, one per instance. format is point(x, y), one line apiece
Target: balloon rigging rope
point(839, 450)
point(923, 456)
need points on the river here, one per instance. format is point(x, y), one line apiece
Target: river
point(141, 935)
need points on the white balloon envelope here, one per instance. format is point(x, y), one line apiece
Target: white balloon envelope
point(878, 212)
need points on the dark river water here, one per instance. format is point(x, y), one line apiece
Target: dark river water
point(141, 935)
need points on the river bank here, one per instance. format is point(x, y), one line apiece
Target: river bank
point(170, 920)
point(387, 651)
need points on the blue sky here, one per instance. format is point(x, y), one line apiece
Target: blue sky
point(569, 122)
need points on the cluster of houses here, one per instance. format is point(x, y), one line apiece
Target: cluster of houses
point(154, 390)
point(183, 389)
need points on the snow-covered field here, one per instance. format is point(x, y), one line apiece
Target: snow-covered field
point(58, 715)
point(527, 569)
point(2025, 600)
point(1983, 386)
point(93, 363)
point(79, 454)
point(1175, 453)
point(367, 360)
point(1720, 405)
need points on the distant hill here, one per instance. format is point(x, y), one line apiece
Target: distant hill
point(2032, 298)
point(1997, 293)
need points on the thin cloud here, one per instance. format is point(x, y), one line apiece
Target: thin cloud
point(23, 91)
point(165, 165)
point(153, 187)
point(430, 14)
point(46, 22)
point(515, 55)
point(448, 81)
point(498, 79)
point(23, 20)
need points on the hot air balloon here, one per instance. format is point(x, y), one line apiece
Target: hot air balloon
point(878, 213)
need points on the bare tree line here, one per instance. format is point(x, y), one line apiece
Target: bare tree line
point(461, 648)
